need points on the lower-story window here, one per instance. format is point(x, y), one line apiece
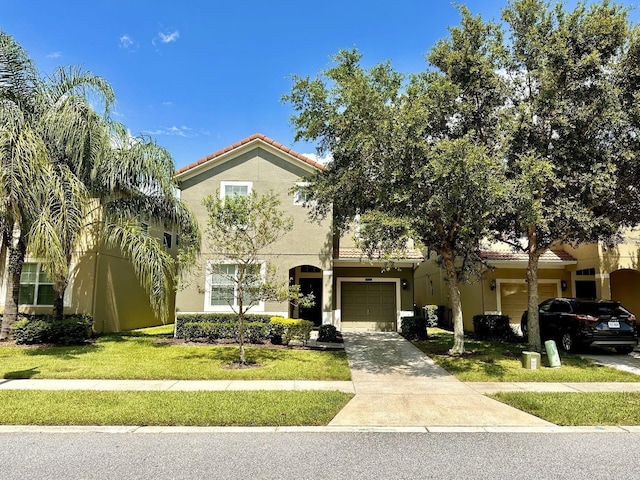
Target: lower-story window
point(224, 287)
point(36, 288)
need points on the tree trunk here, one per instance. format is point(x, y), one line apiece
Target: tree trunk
point(456, 306)
point(242, 360)
point(58, 301)
point(17, 251)
point(533, 323)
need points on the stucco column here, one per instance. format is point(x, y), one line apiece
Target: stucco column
point(327, 297)
point(603, 286)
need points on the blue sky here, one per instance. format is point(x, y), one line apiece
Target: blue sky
point(198, 76)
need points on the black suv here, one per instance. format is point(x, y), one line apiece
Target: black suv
point(576, 323)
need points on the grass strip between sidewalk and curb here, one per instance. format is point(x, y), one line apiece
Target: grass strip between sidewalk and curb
point(238, 408)
point(577, 409)
point(148, 354)
point(487, 361)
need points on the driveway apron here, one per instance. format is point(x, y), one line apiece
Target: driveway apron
point(397, 385)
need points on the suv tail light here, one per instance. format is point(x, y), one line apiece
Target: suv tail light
point(586, 318)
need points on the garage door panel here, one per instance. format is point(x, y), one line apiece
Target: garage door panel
point(514, 301)
point(368, 306)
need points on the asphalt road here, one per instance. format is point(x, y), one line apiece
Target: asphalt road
point(70, 456)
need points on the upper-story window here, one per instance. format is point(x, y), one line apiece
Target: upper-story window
point(229, 189)
point(300, 197)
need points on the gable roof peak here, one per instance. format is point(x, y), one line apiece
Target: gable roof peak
point(252, 138)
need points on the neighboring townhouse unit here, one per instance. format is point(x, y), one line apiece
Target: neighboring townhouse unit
point(590, 270)
point(102, 284)
point(351, 292)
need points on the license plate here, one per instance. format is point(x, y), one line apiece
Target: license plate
point(613, 324)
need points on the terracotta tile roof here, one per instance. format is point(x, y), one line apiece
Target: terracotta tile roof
point(244, 141)
point(550, 256)
point(358, 254)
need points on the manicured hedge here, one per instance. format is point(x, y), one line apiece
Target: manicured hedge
point(283, 330)
point(182, 319)
point(414, 328)
point(211, 327)
point(492, 327)
point(35, 329)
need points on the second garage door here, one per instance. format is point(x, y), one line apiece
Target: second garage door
point(368, 306)
point(513, 298)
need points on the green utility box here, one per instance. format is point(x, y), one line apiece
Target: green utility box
point(531, 360)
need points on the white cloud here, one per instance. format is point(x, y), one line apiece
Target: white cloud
point(54, 55)
point(317, 158)
point(127, 42)
point(167, 104)
point(173, 131)
point(168, 37)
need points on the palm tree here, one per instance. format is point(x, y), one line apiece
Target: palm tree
point(94, 177)
point(24, 166)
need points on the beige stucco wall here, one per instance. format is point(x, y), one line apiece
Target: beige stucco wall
point(306, 244)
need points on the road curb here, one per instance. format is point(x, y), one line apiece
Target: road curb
point(4, 429)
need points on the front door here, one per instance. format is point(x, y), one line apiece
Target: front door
point(314, 313)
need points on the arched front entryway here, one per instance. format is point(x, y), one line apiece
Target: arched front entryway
point(625, 288)
point(310, 280)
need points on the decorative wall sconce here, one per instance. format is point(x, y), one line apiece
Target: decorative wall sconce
point(563, 285)
point(492, 284)
point(404, 284)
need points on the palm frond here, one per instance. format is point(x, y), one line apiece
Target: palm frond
point(151, 262)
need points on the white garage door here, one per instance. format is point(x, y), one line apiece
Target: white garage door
point(368, 306)
point(513, 298)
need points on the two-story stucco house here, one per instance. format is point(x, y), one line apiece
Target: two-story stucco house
point(351, 292)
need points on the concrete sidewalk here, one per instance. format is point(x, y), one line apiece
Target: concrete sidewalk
point(397, 385)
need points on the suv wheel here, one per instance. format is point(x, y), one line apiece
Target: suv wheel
point(568, 343)
point(624, 350)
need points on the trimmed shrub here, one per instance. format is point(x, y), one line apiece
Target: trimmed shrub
point(492, 327)
point(227, 318)
point(283, 330)
point(256, 332)
point(327, 333)
point(30, 332)
point(71, 330)
point(414, 328)
point(34, 329)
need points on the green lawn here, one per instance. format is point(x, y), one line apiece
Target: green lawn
point(500, 362)
point(607, 408)
point(146, 354)
point(246, 408)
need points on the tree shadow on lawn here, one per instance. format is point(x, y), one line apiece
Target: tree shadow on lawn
point(22, 374)
point(65, 353)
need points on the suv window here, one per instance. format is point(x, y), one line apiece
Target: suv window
point(599, 309)
point(560, 307)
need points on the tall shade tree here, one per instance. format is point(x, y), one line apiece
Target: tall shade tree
point(240, 233)
point(410, 161)
point(571, 129)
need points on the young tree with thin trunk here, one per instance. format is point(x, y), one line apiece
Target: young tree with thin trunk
point(240, 233)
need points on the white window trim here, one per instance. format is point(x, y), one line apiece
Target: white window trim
point(259, 307)
point(66, 302)
point(224, 184)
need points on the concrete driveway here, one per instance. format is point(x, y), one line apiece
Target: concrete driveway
point(397, 385)
point(628, 363)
